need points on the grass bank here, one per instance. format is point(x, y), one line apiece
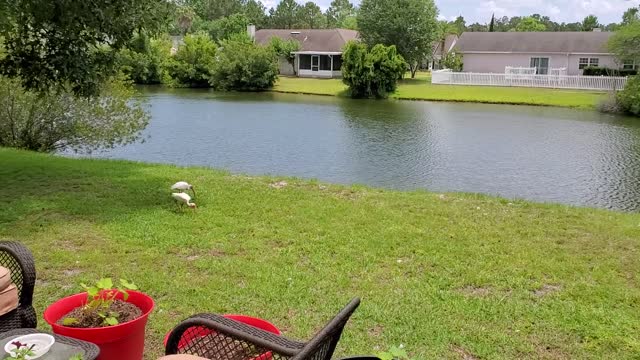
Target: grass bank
point(448, 275)
point(422, 89)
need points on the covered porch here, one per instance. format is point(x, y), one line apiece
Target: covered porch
point(319, 64)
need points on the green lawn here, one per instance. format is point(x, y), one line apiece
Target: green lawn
point(444, 274)
point(422, 89)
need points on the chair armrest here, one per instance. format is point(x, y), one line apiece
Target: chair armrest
point(221, 336)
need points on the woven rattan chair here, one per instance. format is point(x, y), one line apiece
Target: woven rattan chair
point(218, 338)
point(17, 258)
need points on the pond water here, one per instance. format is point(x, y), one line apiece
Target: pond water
point(543, 154)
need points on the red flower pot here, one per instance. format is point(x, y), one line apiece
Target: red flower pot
point(123, 341)
point(255, 322)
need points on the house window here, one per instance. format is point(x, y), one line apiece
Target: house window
point(583, 63)
point(541, 64)
point(588, 62)
point(325, 63)
point(337, 62)
point(305, 62)
point(630, 65)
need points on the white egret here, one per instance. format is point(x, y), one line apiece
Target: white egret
point(183, 198)
point(183, 186)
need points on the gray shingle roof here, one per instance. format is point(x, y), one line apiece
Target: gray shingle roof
point(534, 42)
point(325, 40)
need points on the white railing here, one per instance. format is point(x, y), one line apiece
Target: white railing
point(540, 81)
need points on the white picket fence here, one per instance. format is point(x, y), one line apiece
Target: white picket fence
point(601, 83)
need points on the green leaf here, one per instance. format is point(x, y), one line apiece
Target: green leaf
point(399, 353)
point(128, 285)
point(111, 321)
point(125, 295)
point(93, 291)
point(105, 284)
point(69, 321)
point(385, 356)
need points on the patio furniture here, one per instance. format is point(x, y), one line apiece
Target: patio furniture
point(17, 258)
point(218, 338)
point(62, 349)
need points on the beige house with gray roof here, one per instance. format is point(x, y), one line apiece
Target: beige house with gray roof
point(320, 53)
point(491, 52)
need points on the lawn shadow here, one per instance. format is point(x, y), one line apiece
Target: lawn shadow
point(92, 190)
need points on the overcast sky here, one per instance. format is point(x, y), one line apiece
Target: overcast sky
point(607, 11)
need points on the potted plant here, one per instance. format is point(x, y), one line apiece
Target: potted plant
point(114, 318)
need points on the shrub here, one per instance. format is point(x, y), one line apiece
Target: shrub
point(145, 59)
point(371, 73)
point(193, 63)
point(52, 121)
point(285, 49)
point(452, 61)
point(604, 71)
point(629, 98)
point(244, 66)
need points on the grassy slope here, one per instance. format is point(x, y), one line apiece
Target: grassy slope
point(421, 89)
point(444, 275)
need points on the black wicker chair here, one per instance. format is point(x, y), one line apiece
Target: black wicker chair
point(218, 338)
point(17, 258)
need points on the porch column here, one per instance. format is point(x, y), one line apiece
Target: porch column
point(297, 65)
point(331, 56)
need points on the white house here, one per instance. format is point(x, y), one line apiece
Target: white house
point(320, 53)
point(491, 52)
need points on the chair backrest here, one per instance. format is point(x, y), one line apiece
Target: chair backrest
point(323, 344)
point(19, 260)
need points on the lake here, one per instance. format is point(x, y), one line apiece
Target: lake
point(543, 154)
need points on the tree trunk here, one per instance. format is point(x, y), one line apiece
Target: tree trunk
point(413, 68)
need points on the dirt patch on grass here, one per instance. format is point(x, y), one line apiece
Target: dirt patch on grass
point(376, 331)
point(463, 353)
point(71, 272)
point(278, 185)
point(475, 291)
point(217, 253)
point(550, 353)
point(547, 289)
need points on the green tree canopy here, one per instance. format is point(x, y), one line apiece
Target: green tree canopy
point(459, 24)
point(285, 15)
point(339, 13)
point(530, 24)
point(631, 15)
point(310, 16)
point(409, 25)
point(215, 9)
point(625, 43)
point(60, 44)
point(590, 22)
point(256, 13)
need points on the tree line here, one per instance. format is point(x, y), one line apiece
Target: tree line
point(196, 15)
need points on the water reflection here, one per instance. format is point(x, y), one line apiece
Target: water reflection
point(544, 154)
